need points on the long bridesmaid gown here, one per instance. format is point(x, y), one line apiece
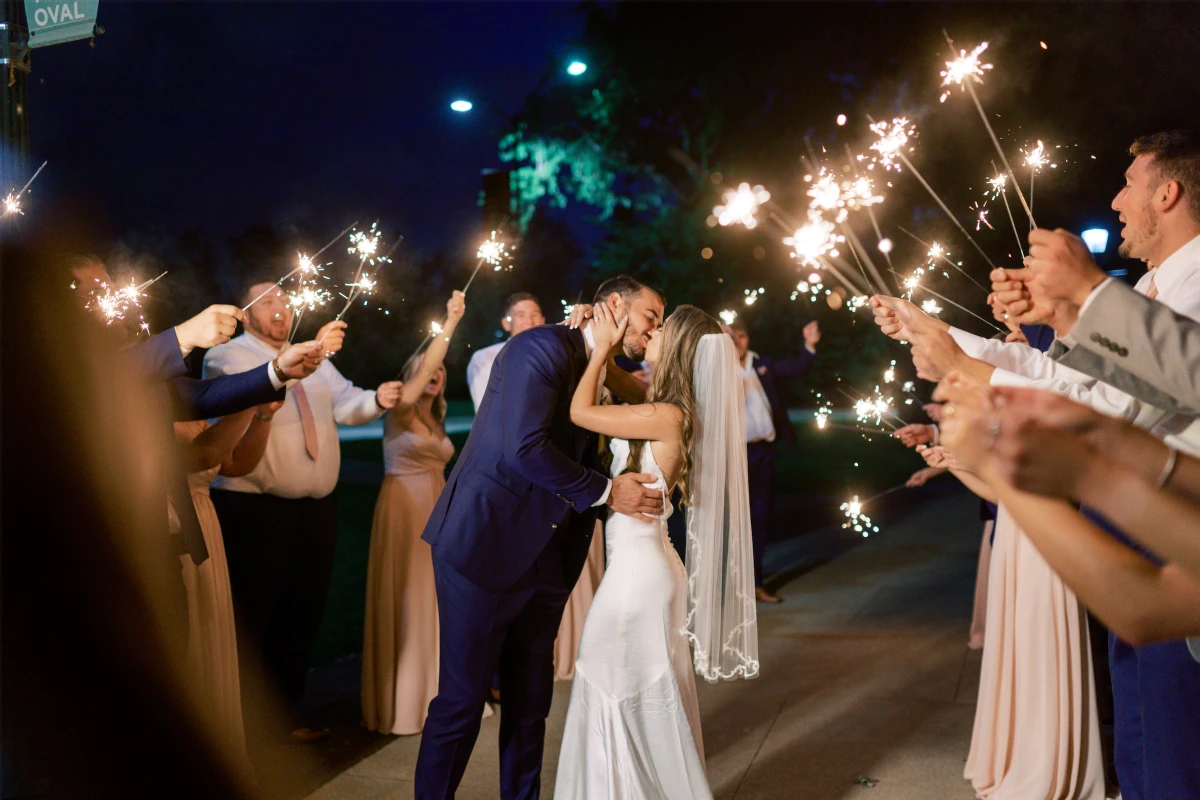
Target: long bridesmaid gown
point(400, 636)
point(566, 646)
point(212, 638)
point(1036, 735)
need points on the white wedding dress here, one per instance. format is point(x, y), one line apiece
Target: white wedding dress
point(633, 724)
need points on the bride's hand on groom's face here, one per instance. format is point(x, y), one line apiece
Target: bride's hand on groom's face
point(606, 330)
point(632, 496)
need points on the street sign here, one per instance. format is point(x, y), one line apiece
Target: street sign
point(53, 21)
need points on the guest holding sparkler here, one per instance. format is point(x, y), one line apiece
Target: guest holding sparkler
point(766, 421)
point(522, 311)
point(400, 641)
point(279, 522)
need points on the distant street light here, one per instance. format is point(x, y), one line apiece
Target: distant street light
point(576, 68)
point(1096, 240)
point(461, 106)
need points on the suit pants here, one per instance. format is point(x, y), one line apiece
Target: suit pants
point(760, 469)
point(1156, 704)
point(280, 553)
point(483, 633)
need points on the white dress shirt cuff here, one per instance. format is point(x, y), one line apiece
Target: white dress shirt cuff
point(1069, 340)
point(937, 435)
point(969, 342)
point(1002, 377)
point(604, 497)
point(275, 382)
point(812, 350)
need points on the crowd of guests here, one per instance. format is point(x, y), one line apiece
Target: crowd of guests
point(1079, 427)
point(249, 516)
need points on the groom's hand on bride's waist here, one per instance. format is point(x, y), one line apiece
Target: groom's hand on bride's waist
point(632, 495)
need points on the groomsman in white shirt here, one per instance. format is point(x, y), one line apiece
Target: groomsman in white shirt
point(279, 522)
point(522, 311)
point(766, 421)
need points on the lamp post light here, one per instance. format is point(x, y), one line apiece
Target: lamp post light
point(461, 106)
point(1096, 240)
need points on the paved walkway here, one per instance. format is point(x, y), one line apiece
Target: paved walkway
point(866, 677)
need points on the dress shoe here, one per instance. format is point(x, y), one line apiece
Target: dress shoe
point(309, 735)
point(764, 596)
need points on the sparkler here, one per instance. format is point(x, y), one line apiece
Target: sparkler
point(981, 213)
point(752, 296)
point(727, 316)
point(964, 68)
point(814, 239)
point(740, 205)
point(966, 76)
point(365, 245)
point(12, 203)
point(114, 304)
point(878, 407)
point(938, 253)
point(857, 520)
point(307, 265)
point(435, 329)
point(884, 245)
point(931, 307)
point(892, 139)
point(997, 185)
point(945, 299)
point(492, 251)
point(1035, 159)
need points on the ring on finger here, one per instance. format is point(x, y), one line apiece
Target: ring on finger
point(949, 410)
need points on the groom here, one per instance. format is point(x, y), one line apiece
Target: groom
point(510, 534)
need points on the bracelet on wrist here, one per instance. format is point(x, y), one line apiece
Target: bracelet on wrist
point(279, 373)
point(261, 417)
point(378, 404)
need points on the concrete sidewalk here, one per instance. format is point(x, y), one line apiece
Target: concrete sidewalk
point(866, 677)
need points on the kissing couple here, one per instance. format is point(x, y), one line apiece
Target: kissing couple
point(511, 532)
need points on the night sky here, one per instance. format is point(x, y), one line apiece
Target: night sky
point(217, 115)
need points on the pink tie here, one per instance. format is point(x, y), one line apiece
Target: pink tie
point(1152, 292)
point(306, 420)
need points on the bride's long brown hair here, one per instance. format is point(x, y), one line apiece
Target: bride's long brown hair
point(673, 383)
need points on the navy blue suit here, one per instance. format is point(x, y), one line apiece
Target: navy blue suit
point(159, 362)
point(510, 534)
point(760, 456)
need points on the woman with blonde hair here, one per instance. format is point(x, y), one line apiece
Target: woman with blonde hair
point(633, 723)
point(400, 637)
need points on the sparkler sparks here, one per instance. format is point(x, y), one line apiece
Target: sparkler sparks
point(1036, 158)
point(931, 307)
point(308, 298)
point(855, 303)
point(872, 409)
point(12, 203)
point(964, 68)
point(740, 205)
point(841, 197)
point(981, 213)
point(856, 519)
point(752, 295)
point(893, 137)
point(997, 184)
point(813, 240)
point(727, 316)
point(493, 251)
point(822, 416)
point(889, 374)
point(114, 303)
point(435, 328)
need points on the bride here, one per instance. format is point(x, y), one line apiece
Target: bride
point(633, 723)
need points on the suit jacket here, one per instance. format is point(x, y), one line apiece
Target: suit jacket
point(769, 372)
point(526, 473)
point(1140, 346)
point(159, 362)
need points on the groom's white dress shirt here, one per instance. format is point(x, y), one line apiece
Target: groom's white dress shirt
point(479, 371)
point(286, 469)
point(1178, 282)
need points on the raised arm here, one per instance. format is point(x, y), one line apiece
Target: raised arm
point(431, 361)
point(650, 421)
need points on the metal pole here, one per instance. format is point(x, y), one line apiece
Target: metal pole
point(14, 118)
